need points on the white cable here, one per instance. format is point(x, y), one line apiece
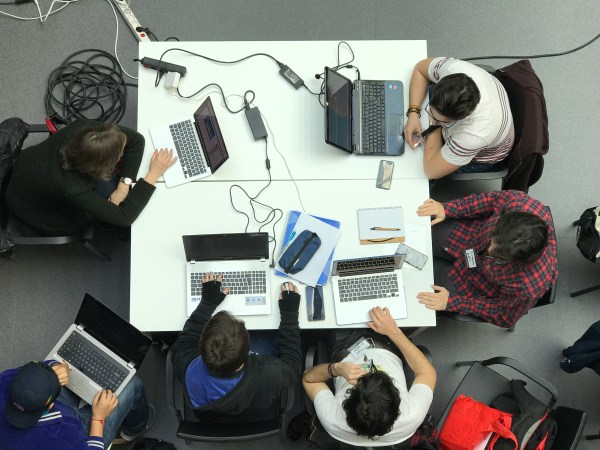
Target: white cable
point(116, 39)
point(284, 161)
point(40, 18)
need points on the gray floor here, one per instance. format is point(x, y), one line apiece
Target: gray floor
point(41, 290)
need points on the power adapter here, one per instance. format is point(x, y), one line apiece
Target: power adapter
point(290, 76)
point(172, 81)
point(256, 123)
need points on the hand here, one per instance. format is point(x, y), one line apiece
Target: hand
point(350, 371)
point(104, 403)
point(62, 372)
point(382, 321)
point(119, 194)
point(209, 282)
point(161, 160)
point(435, 300)
point(432, 208)
point(286, 289)
point(412, 129)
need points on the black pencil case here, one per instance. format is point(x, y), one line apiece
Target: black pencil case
point(300, 252)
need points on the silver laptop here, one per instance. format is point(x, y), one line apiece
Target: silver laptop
point(102, 349)
point(198, 142)
point(243, 261)
point(362, 283)
point(365, 117)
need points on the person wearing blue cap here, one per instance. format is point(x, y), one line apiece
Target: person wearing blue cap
point(34, 414)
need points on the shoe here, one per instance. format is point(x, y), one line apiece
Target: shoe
point(151, 419)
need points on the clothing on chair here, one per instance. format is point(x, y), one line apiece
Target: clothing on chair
point(525, 161)
point(585, 352)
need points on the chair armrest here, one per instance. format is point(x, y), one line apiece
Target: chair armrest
point(170, 387)
point(524, 370)
point(491, 175)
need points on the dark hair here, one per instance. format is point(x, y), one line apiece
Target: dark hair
point(94, 151)
point(224, 344)
point(372, 405)
point(519, 237)
point(455, 96)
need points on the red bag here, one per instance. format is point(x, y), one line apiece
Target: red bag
point(469, 423)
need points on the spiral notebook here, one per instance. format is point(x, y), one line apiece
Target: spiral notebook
point(381, 225)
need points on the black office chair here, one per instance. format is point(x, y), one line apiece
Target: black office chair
point(485, 384)
point(22, 234)
point(190, 428)
point(547, 299)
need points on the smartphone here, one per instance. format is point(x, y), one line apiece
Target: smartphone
point(413, 257)
point(384, 176)
point(315, 310)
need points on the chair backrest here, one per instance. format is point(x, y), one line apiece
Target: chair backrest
point(191, 428)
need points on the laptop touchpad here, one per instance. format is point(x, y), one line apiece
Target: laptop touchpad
point(395, 123)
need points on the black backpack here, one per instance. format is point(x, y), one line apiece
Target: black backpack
point(13, 132)
point(588, 234)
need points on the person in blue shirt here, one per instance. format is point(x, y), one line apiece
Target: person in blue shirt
point(36, 413)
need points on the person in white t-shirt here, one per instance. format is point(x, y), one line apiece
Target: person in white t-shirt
point(472, 109)
point(372, 406)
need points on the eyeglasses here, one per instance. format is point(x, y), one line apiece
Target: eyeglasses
point(436, 120)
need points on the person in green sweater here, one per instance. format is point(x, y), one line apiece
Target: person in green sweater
point(59, 187)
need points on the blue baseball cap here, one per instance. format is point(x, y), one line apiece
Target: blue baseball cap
point(31, 391)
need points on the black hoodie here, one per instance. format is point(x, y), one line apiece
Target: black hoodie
point(256, 396)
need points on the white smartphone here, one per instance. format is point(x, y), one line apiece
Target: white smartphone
point(384, 176)
point(413, 257)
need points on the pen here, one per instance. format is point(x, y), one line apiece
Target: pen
point(385, 229)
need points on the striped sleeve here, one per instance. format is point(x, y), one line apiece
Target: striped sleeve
point(95, 442)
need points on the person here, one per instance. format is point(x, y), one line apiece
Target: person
point(372, 405)
point(225, 381)
point(473, 113)
point(36, 413)
point(65, 183)
point(495, 255)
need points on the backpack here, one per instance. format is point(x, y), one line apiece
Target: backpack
point(13, 132)
point(532, 421)
point(152, 444)
point(588, 234)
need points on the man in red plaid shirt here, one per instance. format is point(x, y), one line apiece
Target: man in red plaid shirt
point(495, 257)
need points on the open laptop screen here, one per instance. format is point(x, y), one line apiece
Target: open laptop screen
point(232, 246)
point(112, 330)
point(338, 110)
point(211, 136)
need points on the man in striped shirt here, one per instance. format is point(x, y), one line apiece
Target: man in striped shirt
point(473, 113)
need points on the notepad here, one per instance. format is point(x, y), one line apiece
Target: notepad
point(381, 225)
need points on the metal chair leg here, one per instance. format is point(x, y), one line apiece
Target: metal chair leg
point(585, 291)
point(464, 363)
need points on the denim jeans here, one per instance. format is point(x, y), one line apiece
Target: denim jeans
point(131, 414)
point(107, 187)
point(264, 342)
point(474, 167)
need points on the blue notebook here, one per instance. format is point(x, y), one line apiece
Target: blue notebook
point(287, 236)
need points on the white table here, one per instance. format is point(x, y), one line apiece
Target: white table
point(332, 183)
point(295, 119)
point(158, 276)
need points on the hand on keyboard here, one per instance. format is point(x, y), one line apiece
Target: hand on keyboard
point(211, 288)
point(104, 403)
point(161, 160)
point(62, 372)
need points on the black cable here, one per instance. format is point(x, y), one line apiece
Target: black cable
point(218, 61)
point(271, 216)
point(546, 55)
point(246, 101)
point(92, 87)
point(337, 67)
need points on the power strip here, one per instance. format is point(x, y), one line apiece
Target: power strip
point(131, 20)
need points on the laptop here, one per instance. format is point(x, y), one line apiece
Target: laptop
point(365, 117)
point(102, 349)
point(243, 261)
point(198, 142)
point(362, 283)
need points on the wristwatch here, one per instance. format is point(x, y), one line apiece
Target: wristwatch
point(126, 181)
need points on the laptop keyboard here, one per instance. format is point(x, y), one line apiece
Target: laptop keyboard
point(92, 362)
point(373, 117)
point(238, 282)
point(368, 288)
point(187, 147)
point(380, 262)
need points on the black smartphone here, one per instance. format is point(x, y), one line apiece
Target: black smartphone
point(314, 303)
